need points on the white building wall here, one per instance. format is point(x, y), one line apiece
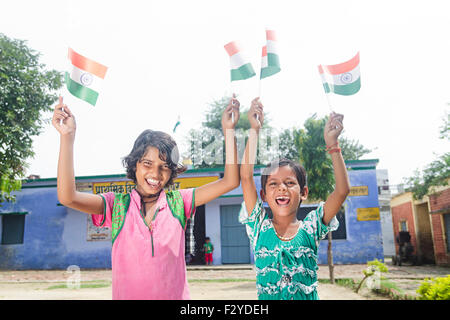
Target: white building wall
point(384, 198)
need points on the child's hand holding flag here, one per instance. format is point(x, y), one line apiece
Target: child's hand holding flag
point(231, 111)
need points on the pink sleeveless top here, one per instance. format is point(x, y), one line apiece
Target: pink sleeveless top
point(145, 268)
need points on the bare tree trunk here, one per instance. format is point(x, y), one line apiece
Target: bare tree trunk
point(330, 258)
point(360, 284)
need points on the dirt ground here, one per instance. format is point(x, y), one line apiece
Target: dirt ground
point(229, 282)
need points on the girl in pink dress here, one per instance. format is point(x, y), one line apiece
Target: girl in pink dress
point(148, 224)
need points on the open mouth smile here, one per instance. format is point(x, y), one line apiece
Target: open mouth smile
point(282, 200)
point(155, 184)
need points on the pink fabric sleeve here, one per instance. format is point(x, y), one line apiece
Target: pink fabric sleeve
point(189, 201)
point(105, 219)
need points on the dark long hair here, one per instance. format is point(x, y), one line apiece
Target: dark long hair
point(168, 152)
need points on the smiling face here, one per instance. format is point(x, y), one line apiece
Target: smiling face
point(282, 191)
point(152, 173)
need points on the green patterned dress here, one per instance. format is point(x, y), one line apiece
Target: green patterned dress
point(285, 270)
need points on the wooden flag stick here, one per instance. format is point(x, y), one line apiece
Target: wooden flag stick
point(329, 103)
point(233, 95)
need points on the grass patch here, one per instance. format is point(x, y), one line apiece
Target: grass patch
point(344, 282)
point(391, 286)
point(387, 288)
point(83, 285)
point(391, 290)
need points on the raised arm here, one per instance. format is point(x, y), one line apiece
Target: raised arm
point(333, 129)
point(256, 118)
point(230, 178)
point(64, 122)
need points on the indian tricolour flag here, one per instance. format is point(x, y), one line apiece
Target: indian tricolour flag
point(343, 78)
point(176, 124)
point(241, 68)
point(86, 77)
point(270, 63)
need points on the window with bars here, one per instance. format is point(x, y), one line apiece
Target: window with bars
point(13, 226)
point(403, 225)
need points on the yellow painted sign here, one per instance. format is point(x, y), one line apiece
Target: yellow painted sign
point(359, 191)
point(115, 186)
point(194, 182)
point(367, 214)
point(101, 234)
point(128, 186)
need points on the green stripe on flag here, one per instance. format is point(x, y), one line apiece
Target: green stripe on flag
point(344, 90)
point(269, 71)
point(81, 92)
point(243, 72)
point(176, 125)
point(273, 66)
point(273, 60)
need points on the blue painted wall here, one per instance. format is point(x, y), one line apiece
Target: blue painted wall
point(54, 236)
point(364, 238)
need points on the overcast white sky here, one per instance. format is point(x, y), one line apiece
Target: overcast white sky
point(166, 58)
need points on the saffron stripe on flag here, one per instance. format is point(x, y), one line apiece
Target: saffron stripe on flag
point(86, 64)
point(232, 48)
point(341, 67)
point(81, 92)
point(270, 35)
point(264, 61)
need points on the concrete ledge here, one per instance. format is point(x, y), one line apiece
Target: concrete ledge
point(220, 267)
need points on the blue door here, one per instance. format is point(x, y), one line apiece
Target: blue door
point(234, 240)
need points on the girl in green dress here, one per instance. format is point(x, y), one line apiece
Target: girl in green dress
point(285, 248)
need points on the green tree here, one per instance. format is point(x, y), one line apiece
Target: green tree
point(25, 91)
point(310, 144)
point(436, 173)
point(213, 116)
point(287, 145)
point(351, 149)
point(445, 128)
point(311, 147)
point(206, 144)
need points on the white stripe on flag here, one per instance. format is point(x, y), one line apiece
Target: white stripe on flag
point(237, 60)
point(272, 47)
point(264, 62)
point(86, 79)
point(343, 78)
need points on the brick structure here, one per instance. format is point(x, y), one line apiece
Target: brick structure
point(439, 206)
point(403, 218)
point(428, 222)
